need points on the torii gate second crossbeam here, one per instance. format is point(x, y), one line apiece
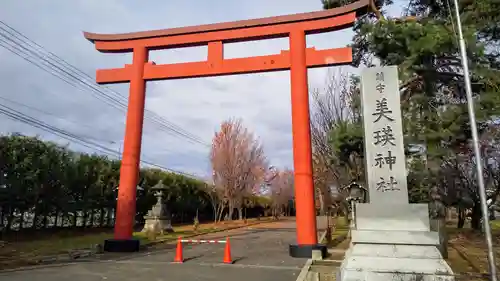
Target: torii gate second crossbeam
point(298, 59)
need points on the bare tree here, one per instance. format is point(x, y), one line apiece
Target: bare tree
point(331, 106)
point(238, 164)
point(215, 193)
point(457, 178)
point(251, 167)
point(282, 191)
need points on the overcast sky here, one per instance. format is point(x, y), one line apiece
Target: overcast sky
point(196, 105)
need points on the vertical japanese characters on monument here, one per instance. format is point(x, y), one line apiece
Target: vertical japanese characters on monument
point(384, 150)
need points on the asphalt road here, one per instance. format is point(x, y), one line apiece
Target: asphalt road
point(259, 252)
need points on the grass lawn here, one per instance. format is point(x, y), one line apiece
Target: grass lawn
point(25, 252)
point(339, 240)
point(468, 251)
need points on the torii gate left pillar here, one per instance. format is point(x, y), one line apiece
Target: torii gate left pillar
point(298, 59)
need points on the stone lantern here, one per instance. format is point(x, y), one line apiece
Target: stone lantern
point(357, 194)
point(158, 219)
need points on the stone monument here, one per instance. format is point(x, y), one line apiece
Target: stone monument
point(392, 238)
point(158, 219)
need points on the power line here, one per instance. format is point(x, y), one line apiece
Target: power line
point(53, 69)
point(17, 43)
point(20, 104)
point(77, 74)
point(24, 53)
point(21, 117)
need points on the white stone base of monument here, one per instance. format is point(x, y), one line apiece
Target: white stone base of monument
point(372, 262)
point(394, 244)
point(158, 226)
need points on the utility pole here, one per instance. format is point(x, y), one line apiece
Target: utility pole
point(475, 142)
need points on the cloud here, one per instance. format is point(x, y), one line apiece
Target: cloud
point(196, 105)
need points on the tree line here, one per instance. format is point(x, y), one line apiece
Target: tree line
point(423, 44)
point(44, 185)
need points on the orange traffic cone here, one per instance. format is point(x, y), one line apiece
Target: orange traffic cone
point(227, 252)
point(178, 252)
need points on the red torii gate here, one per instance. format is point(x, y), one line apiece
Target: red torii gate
point(297, 60)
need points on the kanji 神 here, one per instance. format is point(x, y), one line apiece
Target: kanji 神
point(380, 88)
point(381, 160)
point(382, 110)
point(384, 136)
point(391, 185)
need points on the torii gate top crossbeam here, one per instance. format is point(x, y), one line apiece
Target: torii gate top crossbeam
point(230, 32)
point(216, 35)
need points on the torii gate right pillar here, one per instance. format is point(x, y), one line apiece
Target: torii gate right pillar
point(302, 151)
